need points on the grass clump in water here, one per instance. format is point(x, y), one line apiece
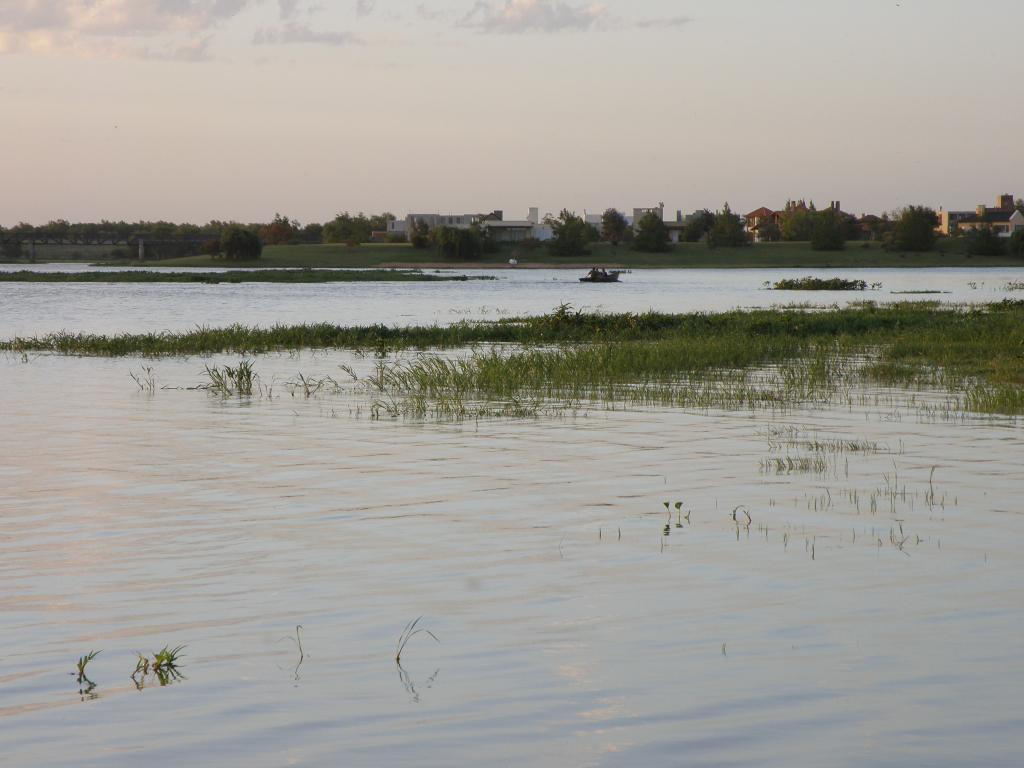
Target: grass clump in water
point(818, 284)
point(228, 381)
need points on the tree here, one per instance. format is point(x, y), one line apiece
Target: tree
point(798, 221)
point(915, 229)
point(11, 250)
point(420, 234)
point(829, 231)
point(1017, 243)
point(281, 231)
point(570, 234)
point(768, 231)
point(240, 244)
point(312, 233)
point(613, 226)
point(651, 234)
point(458, 244)
point(984, 242)
point(345, 227)
point(698, 225)
point(727, 230)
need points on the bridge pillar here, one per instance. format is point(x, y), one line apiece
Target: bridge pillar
point(142, 249)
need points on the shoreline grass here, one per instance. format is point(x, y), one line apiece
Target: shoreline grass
point(741, 359)
point(233, 276)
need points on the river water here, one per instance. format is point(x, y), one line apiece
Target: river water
point(31, 308)
point(867, 612)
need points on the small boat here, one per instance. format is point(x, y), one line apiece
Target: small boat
point(601, 276)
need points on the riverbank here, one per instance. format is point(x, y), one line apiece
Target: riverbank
point(681, 256)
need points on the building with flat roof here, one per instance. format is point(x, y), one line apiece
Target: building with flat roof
point(1004, 219)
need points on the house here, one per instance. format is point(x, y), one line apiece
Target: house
point(759, 218)
point(434, 220)
point(1004, 219)
point(513, 231)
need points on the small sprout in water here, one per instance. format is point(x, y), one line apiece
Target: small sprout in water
point(408, 634)
point(83, 662)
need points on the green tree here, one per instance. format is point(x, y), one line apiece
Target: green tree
point(570, 235)
point(240, 244)
point(281, 231)
point(458, 244)
point(798, 221)
point(915, 229)
point(651, 234)
point(727, 230)
point(10, 248)
point(698, 225)
point(1017, 243)
point(983, 241)
point(613, 226)
point(420, 234)
point(768, 231)
point(346, 228)
point(312, 233)
point(829, 231)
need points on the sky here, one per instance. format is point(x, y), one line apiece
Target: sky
point(192, 110)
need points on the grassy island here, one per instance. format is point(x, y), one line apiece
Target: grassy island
point(233, 276)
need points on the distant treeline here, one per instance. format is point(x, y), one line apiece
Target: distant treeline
point(166, 239)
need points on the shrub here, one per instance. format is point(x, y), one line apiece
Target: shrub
point(240, 244)
point(828, 234)
point(651, 234)
point(915, 229)
point(984, 242)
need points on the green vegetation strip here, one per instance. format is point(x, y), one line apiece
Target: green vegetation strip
point(818, 284)
point(232, 276)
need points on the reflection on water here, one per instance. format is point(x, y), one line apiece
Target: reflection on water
point(631, 587)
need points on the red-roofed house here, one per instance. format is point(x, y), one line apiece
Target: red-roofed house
point(761, 216)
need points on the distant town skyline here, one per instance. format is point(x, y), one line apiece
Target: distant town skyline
point(238, 109)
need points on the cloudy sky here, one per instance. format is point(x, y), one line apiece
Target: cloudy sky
point(201, 109)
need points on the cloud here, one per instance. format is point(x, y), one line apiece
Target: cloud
point(661, 23)
point(519, 16)
point(365, 7)
point(297, 34)
point(94, 28)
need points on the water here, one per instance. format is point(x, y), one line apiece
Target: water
point(573, 630)
point(33, 308)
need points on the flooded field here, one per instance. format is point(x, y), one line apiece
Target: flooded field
point(828, 585)
point(852, 573)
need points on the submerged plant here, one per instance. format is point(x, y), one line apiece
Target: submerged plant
point(228, 381)
point(83, 662)
point(164, 665)
point(408, 634)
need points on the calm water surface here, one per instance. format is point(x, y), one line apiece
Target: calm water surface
point(32, 308)
point(869, 615)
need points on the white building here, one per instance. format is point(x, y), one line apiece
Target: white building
point(516, 231)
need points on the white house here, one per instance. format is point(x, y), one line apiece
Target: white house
point(516, 231)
